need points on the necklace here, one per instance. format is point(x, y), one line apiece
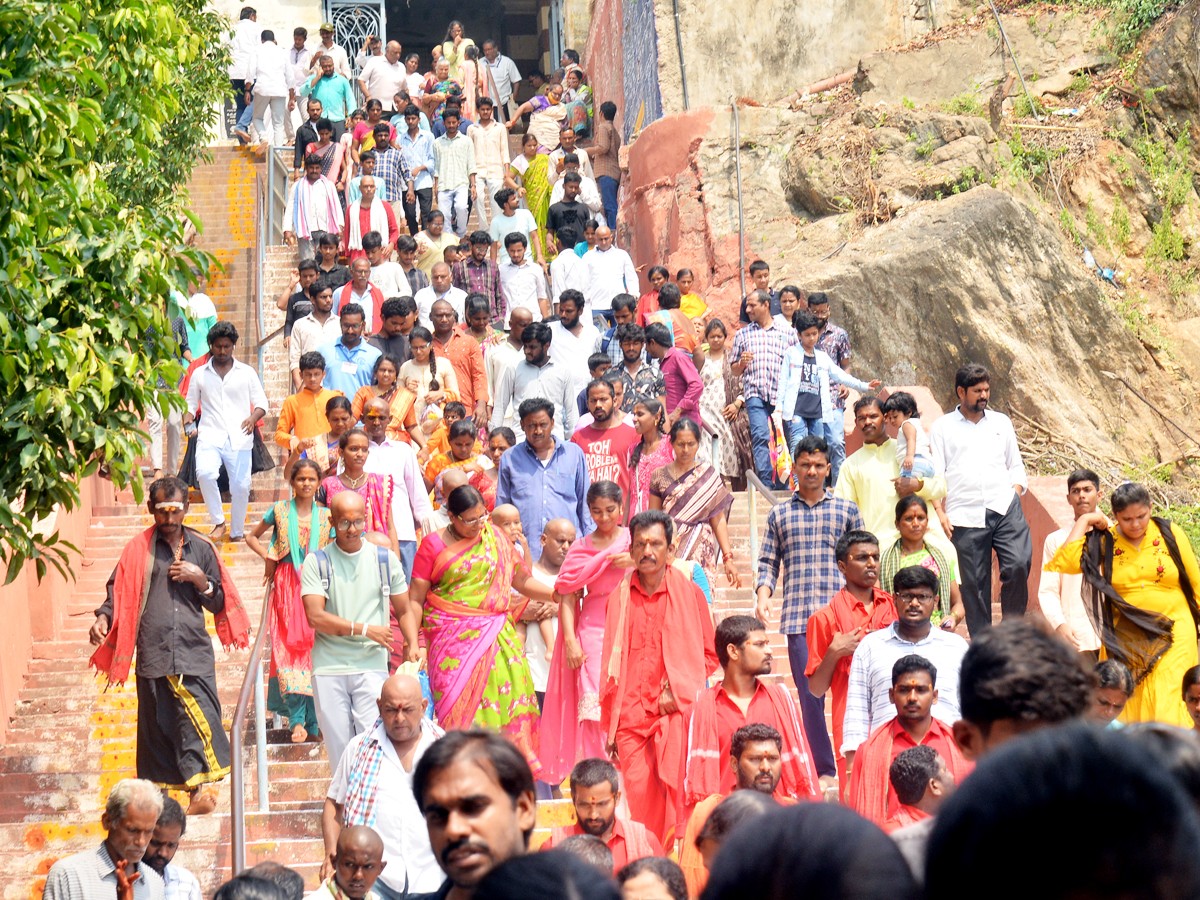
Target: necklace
point(354, 483)
point(179, 549)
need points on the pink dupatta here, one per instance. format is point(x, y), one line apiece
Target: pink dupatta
point(560, 739)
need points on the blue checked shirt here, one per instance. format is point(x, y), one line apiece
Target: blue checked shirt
point(802, 537)
point(767, 347)
point(393, 165)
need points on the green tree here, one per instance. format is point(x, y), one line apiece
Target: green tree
point(105, 109)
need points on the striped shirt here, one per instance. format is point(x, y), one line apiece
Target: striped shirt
point(181, 884)
point(91, 875)
point(802, 537)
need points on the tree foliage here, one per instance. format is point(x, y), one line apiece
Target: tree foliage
point(105, 109)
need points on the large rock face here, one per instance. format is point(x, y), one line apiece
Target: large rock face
point(979, 277)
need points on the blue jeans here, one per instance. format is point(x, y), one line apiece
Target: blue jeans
point(608, 196)
point(798, 429)
point(835, 435)
point(759, 412)
point(812, 709)
point(408, 554)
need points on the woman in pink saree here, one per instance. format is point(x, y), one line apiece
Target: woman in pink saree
point(593, 568)
point(476, 663)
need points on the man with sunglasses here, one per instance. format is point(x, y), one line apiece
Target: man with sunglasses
point(348, 589)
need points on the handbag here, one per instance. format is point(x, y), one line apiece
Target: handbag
point(781, 455)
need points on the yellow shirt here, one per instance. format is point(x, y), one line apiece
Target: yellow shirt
point(693, 306)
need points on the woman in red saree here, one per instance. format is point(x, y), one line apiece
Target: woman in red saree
point(300, 526)
point(476, 663)
point(375, 489)
point(592, 569)
point(694, 495)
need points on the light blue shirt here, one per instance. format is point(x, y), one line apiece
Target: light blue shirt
point(335, 94)
point(555, 489)
point(347, 369)
point(420, 153)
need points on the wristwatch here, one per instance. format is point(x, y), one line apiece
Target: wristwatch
point(208, 588)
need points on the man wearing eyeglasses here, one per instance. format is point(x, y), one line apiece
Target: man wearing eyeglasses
point(349, 588)
point(868, 704)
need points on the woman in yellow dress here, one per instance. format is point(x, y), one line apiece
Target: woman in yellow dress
point(1140, 580)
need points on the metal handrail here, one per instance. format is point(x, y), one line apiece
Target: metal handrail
point(252, 683)
point(277, 188)
point(754, 486)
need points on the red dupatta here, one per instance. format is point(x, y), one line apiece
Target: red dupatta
point(130, 590)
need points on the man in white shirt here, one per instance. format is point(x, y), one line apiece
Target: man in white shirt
point(313, 210)
point(977, 450)
point(314, 331)
point(178, 882)
point(268, 72)
point(610, 272)
point(372, 785)
point(382, 78)
point(454, 172)
point(538, 376)
point(502, 358)
point(299, 57)
point(524, 281)
point(410, 499)
point(440, 287)
point(386, 274)
point(505, 76)
point(326, 47)
point(491, 159)
point(1061, 596)
point(574, 337)
point(589, 194)
point(868, 704)
point(557, 162)
point(567, 271)
point(243, 44)
point(232, 400)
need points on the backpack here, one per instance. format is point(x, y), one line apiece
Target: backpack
point(325, 570)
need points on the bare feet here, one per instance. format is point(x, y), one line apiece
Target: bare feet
point(217, 533)
point(299, 734)
point(158, 474)
point(204, 801)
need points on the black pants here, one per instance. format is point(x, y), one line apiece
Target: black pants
point(339, 128)
point(425, 201)
point(239, 95)
point(181, 742)
point(1008, 535)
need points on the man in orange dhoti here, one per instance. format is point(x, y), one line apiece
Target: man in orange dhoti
point(658, 652)
point(914, 691)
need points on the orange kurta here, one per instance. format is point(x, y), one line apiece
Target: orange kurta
point(652, 641)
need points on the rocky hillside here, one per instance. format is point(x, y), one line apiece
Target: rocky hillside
point(1050, 231)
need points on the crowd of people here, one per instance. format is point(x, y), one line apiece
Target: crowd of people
point(510, 485)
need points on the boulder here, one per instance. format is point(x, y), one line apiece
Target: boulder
point(1169, 72)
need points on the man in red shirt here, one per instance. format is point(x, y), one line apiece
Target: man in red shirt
point(914, 691)
point(607, 442)
point(739, 699)
point(465, 356)
point(835, 630)
point(595, 796)
point(658, 653)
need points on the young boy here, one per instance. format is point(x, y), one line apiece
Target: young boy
point(804, 385)
point(598, 364)
point(302, 418)
point(439, 440)
point(366, 166)
point(507, 518)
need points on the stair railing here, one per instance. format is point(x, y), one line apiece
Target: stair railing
point(252, 686)
point(278, 171)
point(755, 486)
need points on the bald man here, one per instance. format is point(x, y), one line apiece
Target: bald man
point(378, 766)
point(343, 590)
point(557, 538)
point(609, 271)
point(357, 864)
point(440, 288)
